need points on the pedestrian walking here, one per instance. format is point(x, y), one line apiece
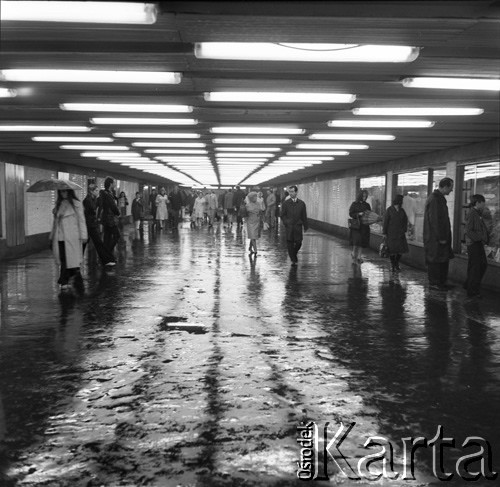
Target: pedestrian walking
point(152, 205)
point(176, 202)
point(359, 238)
point(90, 213)
point(122, 204)
point(271, 207)
point(162, 208)
point(109, 215)
point(254, 218)
point(212, 204)
point(476, 237)
point(199, 208)
point(69, 234)
point(137, 210)
point(238, 199)
point(294, 217)
point(394, 230)
point(228, 206)
point(437, 235)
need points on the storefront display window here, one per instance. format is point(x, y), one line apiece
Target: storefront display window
point(413, 186)
point(483, 179)
point(376, 197)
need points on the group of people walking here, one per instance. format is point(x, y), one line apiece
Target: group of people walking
point(76, 222)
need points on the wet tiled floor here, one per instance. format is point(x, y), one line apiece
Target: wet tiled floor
point(192, 364)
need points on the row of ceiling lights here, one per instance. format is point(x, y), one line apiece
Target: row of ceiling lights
point(147, 14)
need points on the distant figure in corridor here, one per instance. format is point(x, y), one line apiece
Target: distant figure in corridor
point(176, 202)
point(359, 238)
point(294, 217)
point(254, 218)
point(162, 208)
point(437, 235)
point(394, 230)
point(152, 205)
point(69, 234)
point(90, 212)
point(476, 237)
point(109, 215)
point(122, 204)
point(137, 210)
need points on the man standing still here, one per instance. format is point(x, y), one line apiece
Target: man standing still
point(176, 203)
point(90, 208)
point(109, 215)
point(437, 235)
point(294, 217)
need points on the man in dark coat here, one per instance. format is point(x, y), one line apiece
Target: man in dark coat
point(294, 217)
point(176, 202)
point(109, 215)
point(437, 235)
point(90, 211)
point(238, 198)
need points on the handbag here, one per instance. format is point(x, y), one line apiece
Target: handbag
point(354, 223)
point(383, 250)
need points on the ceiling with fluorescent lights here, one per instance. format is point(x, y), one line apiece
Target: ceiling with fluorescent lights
point(453, 39)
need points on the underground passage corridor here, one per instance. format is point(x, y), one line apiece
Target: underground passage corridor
point(192, 363)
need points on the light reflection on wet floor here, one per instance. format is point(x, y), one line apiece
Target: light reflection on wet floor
point(326, 341)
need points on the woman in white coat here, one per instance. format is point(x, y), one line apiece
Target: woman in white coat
point(161, 207)
point(69, 233)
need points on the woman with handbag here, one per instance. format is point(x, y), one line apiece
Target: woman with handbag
point(359, 235)
point(394, 230)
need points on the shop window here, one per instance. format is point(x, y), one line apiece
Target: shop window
point(376, 197)
point(437, 175)
point(483, 179)
point(413, 186)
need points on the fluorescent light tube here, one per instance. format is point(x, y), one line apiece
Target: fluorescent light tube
point(125, 107)
point(305, 52)
point(306, 158)
point(251, 141)
point(381, 123)
point(82, 12)
point(247, 149)
point(143, 121)
point(94, 147)
point(175, 151)
point(168, 144)
point(321, 136)
point(43, 128)
point(453, 83)
point(251, 159)
point(332, 146)
point(109, 154)
point(408, 111)
point(7, 93)
point(257, 130)
point(89, 76)
point(245, 154)
point(278, 97)
point(49, 138)
point(317, 153)
point(155, 135)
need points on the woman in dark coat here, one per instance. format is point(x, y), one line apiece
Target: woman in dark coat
point(394, 230)
point(359, 238)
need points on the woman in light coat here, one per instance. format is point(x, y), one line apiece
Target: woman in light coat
point(199, 208)
point(69, 233)
point(254, 220)
point(161, 207)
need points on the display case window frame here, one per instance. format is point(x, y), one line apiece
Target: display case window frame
point(462, 204)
